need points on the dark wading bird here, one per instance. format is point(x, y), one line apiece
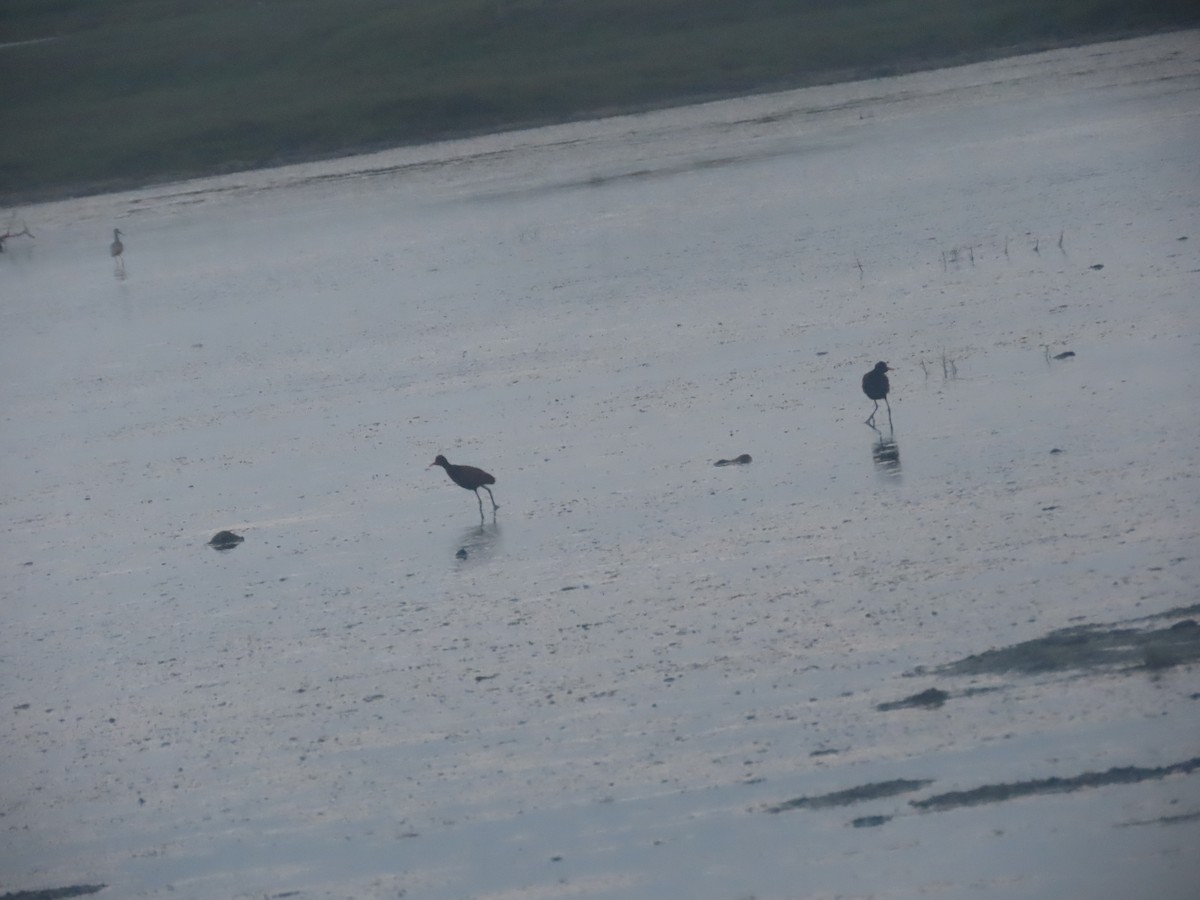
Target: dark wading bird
point(116, 248)
point(875, 386)
point(470, 478)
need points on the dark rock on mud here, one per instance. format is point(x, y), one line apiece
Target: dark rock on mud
point(858, 794)
point(225, 540)
point(928, 699)
point(1066, 354)
point(737, 461)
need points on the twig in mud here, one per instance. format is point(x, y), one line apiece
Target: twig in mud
point(858, 262)
point(1035, 247)
point(949, 369)
point(1060, 240)
point(925, 370)
point(957, 254)
point(9, 233)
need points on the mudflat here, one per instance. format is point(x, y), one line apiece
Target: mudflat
point(953, 654)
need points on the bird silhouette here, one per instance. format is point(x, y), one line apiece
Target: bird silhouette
point(116, 248)
point(470, 478)
point(875, 386)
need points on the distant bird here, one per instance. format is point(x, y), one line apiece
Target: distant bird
point(875, 386)
point(470, 478)
point(116, 248)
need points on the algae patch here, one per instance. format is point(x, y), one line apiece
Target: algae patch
point(1086, 648)
point(997, 793)
point(873, 791)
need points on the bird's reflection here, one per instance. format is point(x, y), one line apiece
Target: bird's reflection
point(477, 543)
point(885, 450)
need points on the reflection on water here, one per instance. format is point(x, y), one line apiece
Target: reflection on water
point(477, 543)
point(886, 453)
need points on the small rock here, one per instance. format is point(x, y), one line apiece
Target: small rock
point(225, 540)
point(1097, 267)
point(1055, 450)
point(1066, 354)
point(462, 553)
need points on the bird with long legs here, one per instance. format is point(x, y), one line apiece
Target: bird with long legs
point(875, 386)
point(116, 248)
point(470, 478)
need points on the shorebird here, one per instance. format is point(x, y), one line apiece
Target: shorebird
point(116, 248)
point(875, 386)
point(470, 478)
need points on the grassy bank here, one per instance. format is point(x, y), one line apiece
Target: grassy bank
point(106, 95)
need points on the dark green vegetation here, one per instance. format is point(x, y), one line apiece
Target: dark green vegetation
point(104, 95)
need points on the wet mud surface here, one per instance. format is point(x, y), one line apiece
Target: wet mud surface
point(607, 687)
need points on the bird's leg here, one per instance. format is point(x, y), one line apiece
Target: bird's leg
point(889, 409)
point(480, 499)
point(489, 490)
point(871, 418)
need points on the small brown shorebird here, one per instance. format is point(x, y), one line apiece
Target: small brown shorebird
point(875, 386)
point(116, 248)
point(470, 478)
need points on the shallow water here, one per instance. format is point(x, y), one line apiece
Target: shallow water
point(643, 653)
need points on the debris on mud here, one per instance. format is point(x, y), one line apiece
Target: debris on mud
point(928, 699)
point(858, 794)
point(225, 540)
point(1066, 354)
point(736, 461)
point(996, 793)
